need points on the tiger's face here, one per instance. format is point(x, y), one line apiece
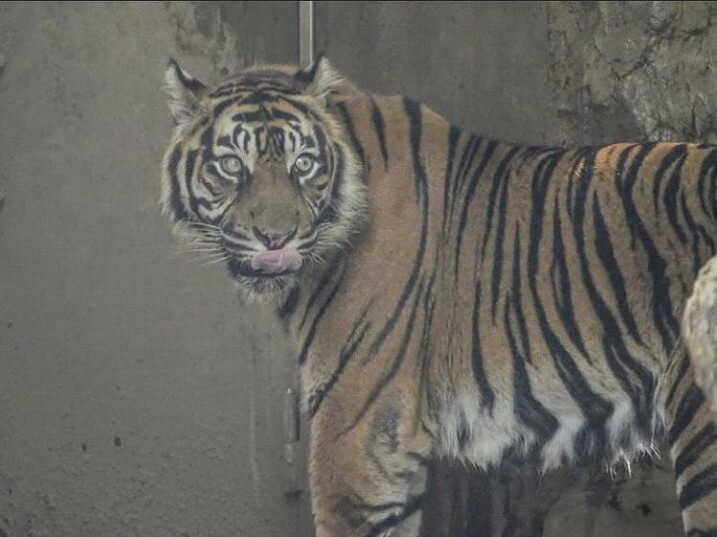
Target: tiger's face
point(260, 174)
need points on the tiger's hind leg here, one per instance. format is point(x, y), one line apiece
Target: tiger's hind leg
point(692, 438)
point(368, 477)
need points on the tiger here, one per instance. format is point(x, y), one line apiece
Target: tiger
point(447, 294)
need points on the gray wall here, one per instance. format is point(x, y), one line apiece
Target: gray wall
point(138, 396)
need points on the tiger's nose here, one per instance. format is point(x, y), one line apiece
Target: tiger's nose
point(274, 241)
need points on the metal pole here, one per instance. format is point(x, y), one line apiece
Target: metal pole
point(306, 32)
point(292, 423)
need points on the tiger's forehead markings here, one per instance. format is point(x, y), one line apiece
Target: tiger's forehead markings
point(264, 97)
point(225, 141)
point(260, 115)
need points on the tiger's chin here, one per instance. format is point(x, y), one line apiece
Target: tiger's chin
point(260, 287)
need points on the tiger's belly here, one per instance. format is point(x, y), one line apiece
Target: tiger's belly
point(469, 433)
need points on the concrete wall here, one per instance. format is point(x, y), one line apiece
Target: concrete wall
point(138, 397)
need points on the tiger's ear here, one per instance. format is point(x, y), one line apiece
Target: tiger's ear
point(184, 91)
point(320, 79)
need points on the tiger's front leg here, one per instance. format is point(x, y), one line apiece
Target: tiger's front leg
point(368, 469)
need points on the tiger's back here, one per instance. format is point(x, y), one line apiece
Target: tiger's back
point(578, 263)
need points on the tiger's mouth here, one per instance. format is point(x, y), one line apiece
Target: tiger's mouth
point(248, 272)
point(263, 272)
point(276, 261)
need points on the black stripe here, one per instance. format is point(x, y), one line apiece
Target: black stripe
point(415, 123)
point(217, 220)
point(470, 193)
point(688, 407)
point(178, 210)
point(699, 486)
point(328, 212)
point(699, 444)
point(226, 141)
point(337, 176)
point(528, 409)
point(380, 127)
point(484, 387)
point(698, 232)
point(595, 409)
point(578, 159)
point(424, 353)
point(662, 311)
point(615, 351)
point(323, 282)
point(468, 151)
point(560, 280)
point(318, 396)
point(709, 163)
point(668, 160)
point(220, 107)
point(189, 164)
point(395, 364)
point(453, 135)
point(206, 141)
point(490, 202)
point(277, 113)
point(606, 253)
point(264, 97)
point(288, 307)
point(348, 122)
point(684, 365)
point(497, 271)
point(312, 331)
point(670, 199)
point(321, 142)
point(301, 107)
point(260, 115)
point(460, 179)
point(411, 506)
point(260, 97)
point(414, 114)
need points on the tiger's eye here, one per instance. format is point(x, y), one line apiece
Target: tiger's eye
point(230, 164)
point(304, 163)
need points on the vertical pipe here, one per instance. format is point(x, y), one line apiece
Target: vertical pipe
point(306, 32)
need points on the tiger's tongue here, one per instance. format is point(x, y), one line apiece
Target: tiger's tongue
point(275, 261)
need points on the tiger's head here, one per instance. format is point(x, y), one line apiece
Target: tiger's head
point(260, 174)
